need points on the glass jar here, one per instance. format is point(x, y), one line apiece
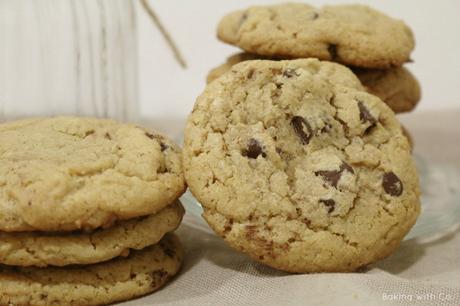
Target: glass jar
point(68, 57)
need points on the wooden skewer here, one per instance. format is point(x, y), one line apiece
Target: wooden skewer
point(165, 33)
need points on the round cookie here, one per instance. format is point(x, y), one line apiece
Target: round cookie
point(70, 173)
point(354, 35)
point(42, 249)
point(113, 281)
point(397, 87)
point(297, 166)
point(231, 60)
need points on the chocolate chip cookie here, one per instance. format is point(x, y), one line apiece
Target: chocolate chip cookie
point(300, 168)
point(58, 249)
point(397, 87)
point(232, 60)
point(70, 173)
point(354, 35)
point(99, 284)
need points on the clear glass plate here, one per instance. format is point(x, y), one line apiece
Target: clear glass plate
point(440, 185)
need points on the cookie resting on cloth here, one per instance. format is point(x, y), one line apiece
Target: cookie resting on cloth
point(300, 168)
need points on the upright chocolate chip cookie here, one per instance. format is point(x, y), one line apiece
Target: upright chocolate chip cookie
point(355, 35)
point(297, 166)
point(397, 87)
point(69, 173)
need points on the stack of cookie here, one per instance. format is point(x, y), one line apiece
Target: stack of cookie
point(295, 163)
point(370, 43)
point(87, 207)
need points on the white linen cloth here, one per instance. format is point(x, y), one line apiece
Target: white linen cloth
point(422, 271)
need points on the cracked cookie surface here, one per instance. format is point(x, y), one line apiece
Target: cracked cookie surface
point(297, 166)
point(397, 87)
point(350, 34)
point(120, 279)
point(70, 173)
point(57, 249)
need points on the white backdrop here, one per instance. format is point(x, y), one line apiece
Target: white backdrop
point(166, 90)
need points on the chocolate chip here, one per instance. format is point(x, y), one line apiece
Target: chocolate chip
point(369, 130)
point(169, 252)
point(107, 135)
point(392, 184)
point(302, 129)
point(254, 149)
point(227, 228)
point(90, 132)
point(298, 211)
point(162, 273)
point(314, 16)
point(345, 126)
point(329, 203)
point(156, 276)
point(332, 49)
point(163, 146)
point(289, 73)
point(365, 115)
point(277, 92)
point(250, 74)
point(347, 167)
point(327, 127)
point(333, 177)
